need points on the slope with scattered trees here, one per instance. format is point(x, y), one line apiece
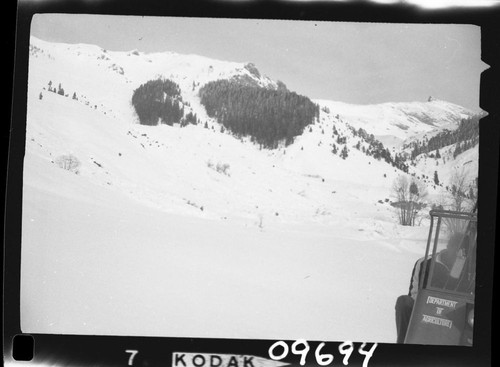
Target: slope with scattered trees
point(378, 151)
point(464, 137)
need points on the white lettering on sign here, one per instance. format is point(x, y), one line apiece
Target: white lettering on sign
point(437, 321)
point(221, 360)
point(439, 310)
point(441, 302)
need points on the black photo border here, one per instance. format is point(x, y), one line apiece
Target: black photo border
point(84, 350)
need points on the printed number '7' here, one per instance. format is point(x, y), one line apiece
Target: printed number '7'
point(132, 355)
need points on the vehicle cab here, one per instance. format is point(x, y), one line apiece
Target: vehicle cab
point(443, 313)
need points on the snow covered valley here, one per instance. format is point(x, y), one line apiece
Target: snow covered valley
point(190, 232)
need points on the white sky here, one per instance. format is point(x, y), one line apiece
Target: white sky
point(359, 63)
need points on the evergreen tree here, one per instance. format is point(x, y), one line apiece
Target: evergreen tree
point(436, 178)
point(344, 153)
point(60, 90)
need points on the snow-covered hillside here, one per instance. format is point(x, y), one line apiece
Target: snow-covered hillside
point(106, 79)
point(393, 123)
point(170, 231)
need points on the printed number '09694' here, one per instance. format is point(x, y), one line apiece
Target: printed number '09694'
point(301, 347)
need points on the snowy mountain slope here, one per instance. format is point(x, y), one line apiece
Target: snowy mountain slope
point(446, 168)
point(91, 127)
point(400, 120)
point(200, 227)
point(167, 167)
point(88, 68)
point(398, 125)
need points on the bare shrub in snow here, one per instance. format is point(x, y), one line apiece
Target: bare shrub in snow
point(462, 199)
point(68, 162)
point(409, 195)
point(222, 168)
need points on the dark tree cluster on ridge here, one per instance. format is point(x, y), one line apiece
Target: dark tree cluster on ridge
point(268, 116)
point(158, 101)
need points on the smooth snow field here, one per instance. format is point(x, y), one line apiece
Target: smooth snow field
point(115, 267)
point(96, 262)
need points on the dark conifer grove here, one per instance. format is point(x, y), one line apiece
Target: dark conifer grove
point(268, 116)
point(158, 101)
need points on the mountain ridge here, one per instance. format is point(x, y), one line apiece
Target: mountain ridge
point(334, 138)
point(399, 119)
